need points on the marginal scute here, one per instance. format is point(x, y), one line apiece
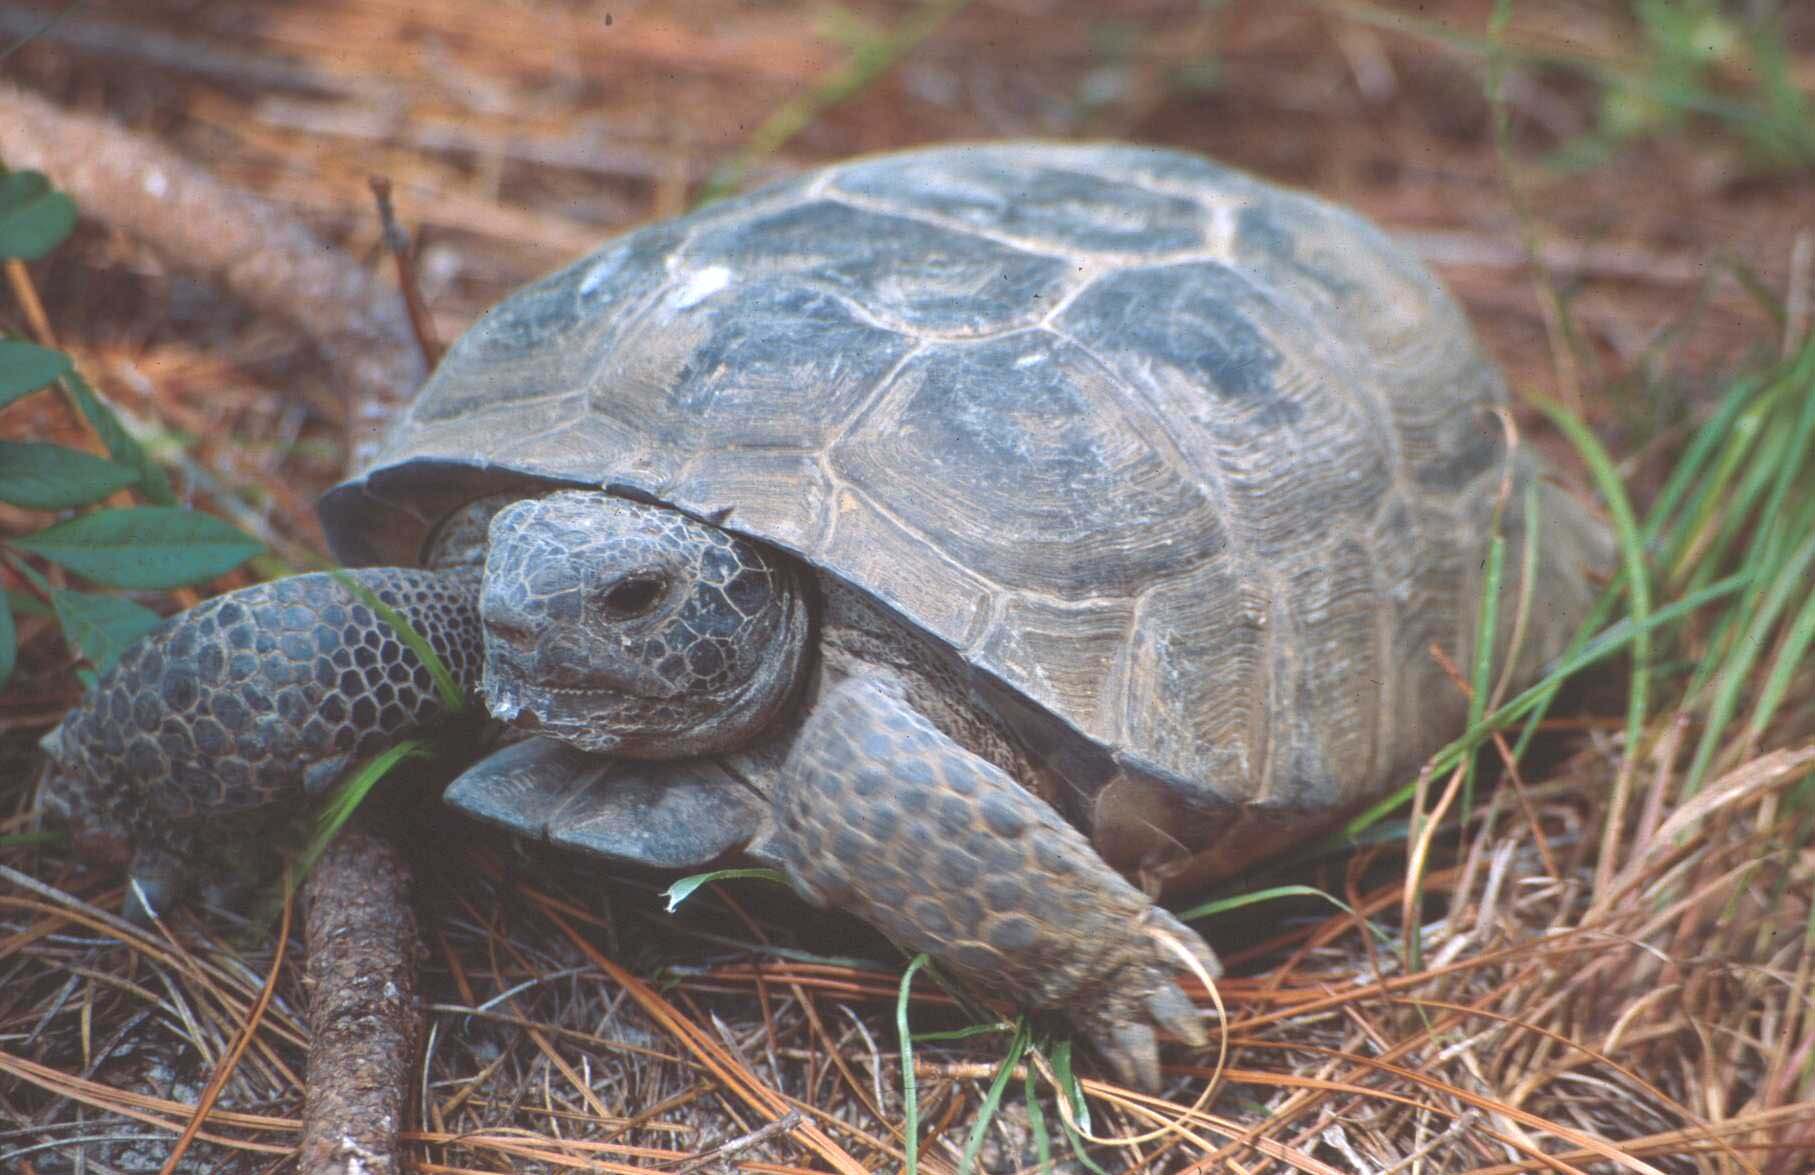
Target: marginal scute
point(668, 815)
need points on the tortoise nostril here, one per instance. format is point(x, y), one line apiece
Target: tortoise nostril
point(512, 632)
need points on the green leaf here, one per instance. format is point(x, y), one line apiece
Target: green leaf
point(120, 444)
point(101, 627)
point(22, 603)
point(143, 547)
point(683, 889)
point(51, 477)
point(26, 367)
point(9, 645)
point(34, 217)
point(20, 188)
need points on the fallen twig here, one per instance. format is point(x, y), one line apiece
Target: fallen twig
point(743, 1142)
point(364, 1021)
point(247, 245)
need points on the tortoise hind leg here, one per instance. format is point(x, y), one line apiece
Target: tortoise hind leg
point(879, 812)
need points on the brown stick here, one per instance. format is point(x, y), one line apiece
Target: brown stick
point(364, 1020)
point(248, 246)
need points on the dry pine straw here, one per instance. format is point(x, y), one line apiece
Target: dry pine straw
point(1646, 990)
point(1655, 1021)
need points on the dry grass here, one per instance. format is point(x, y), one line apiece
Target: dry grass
point(1615, 963)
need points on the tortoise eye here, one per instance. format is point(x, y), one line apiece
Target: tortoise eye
point(633, 595)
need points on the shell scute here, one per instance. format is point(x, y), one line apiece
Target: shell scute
point(1199, 320)
point(707, 375)
point(912, 275)
point(1052, 483)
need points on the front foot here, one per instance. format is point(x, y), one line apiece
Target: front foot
point(250, 701)
point(882, 814)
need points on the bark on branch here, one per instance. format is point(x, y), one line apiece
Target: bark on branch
point(244, 244)
point(364, 1021)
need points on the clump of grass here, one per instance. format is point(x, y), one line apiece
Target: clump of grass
point(1701, 58)
point(1694, 61)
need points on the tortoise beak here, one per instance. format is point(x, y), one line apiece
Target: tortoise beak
point(509, 706)
point(516, 707)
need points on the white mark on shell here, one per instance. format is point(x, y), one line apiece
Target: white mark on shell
point(701, 286)
point(601, 272)
point(1225, 216)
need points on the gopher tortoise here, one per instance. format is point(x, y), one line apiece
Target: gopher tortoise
point(995, 538)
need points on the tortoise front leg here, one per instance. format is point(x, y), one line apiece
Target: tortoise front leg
point(879, 812)
point(251, 699)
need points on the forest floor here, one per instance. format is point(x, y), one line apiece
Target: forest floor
point(1607, 963)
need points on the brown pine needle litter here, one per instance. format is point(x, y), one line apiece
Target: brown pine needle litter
point(1603, 961)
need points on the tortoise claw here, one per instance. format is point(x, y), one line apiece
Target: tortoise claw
point(1134, 1053)
point(1175, 1013)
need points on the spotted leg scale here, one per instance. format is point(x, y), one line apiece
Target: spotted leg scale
point(882, 814)
point(249, 700)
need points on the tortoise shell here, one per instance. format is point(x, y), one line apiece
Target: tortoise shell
point(1199, 467)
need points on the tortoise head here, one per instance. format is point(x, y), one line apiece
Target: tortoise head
point(634, 630)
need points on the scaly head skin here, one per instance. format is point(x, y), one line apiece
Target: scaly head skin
point(634, 630)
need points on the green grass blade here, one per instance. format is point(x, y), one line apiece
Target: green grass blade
point(869, 60)
point(350, 794)
point(1255, 898)
point(1735, 674)
point(910, 1087)
point(1632, 556)
point(1036, 1120)
point(685, 888)
point(1487, 620)
point(1790, 654)
point(1532, 524)
point(1687, 474)
point(992, 1100)
point(451, 694)
point(969, 1033)
point(1073, 1093)
point(9, 644)
point(1609, 642)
